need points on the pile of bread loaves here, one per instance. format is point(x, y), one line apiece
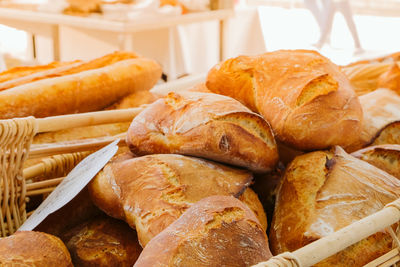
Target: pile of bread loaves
point(204, 167)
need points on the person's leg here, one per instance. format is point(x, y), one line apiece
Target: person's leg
point(312, 5)
point(328, 14)
point(345, 8)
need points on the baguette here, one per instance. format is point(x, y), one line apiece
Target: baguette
point(151, 192)
point(384, 157)
point(204, 125)
point(391, 79)
point(102, 241)
point(80, 92)
point(18, 72)
point(61, 69)
point(29, 248)
point(216, 231)
point(324, 191)
point(304, 96)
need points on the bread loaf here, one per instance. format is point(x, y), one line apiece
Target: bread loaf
point(381, 119)
point(28, 248)
point(22, 71)
point(304, 96)
point(384, 157)
point(391, 79)
point(102, 242)
point(151, 192)
point(323, 192)
point(58, 69)
point(85, 91)
point(216, 231)
point(204, 125)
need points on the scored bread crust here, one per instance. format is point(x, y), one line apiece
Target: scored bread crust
point(151, 192)
point(85, 91)
point(381, 119)
point(384, 157)
point(322, 192)
point(28, 248)
point(204, 125)
point(57, 69)
point(216, 231)
point(303, 95)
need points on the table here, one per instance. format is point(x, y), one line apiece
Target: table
point(48, 25)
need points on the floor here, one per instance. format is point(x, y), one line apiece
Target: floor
point(285, 28)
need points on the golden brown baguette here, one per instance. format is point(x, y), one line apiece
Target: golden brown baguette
point(102, 241)
point(204, 125)
point(384, 157)
point(381, 119)
point(29, 248)
point(21, 71)
point(391, 79)
point(151, 192)
point(62, 69)
point(303, 95)
point(323, 192)
point(81, 92)
point(216, 231)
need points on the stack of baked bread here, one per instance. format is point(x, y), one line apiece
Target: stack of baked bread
point(185, 192)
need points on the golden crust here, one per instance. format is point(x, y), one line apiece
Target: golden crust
point(384, 157)
point(300, 93)
point(216, 231)
point(38, 249)
point(391, 79)
point(151, 192)
point(58, 69)
point(102, 241)
point(18, 72)
point(381, 114)
point(322, 192)
point(204, 125)
point(85, 91)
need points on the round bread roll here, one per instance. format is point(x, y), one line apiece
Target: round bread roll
point(102, 241)
point(28, 248)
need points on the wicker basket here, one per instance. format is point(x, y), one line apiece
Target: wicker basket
point(16, 147)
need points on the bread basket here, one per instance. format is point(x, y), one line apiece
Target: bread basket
point(15, 147)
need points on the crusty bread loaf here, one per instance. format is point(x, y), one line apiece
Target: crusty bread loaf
point(85, 91)
point(58, 69)
point(384, 157)
point(22, 71)
point(216, 231)
point(304, 96)
point(151, 192)
point(323, 192)
point(102, 242)
point(204, 125)
point(29, 248)
point(391, 79)
point(381, 119)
